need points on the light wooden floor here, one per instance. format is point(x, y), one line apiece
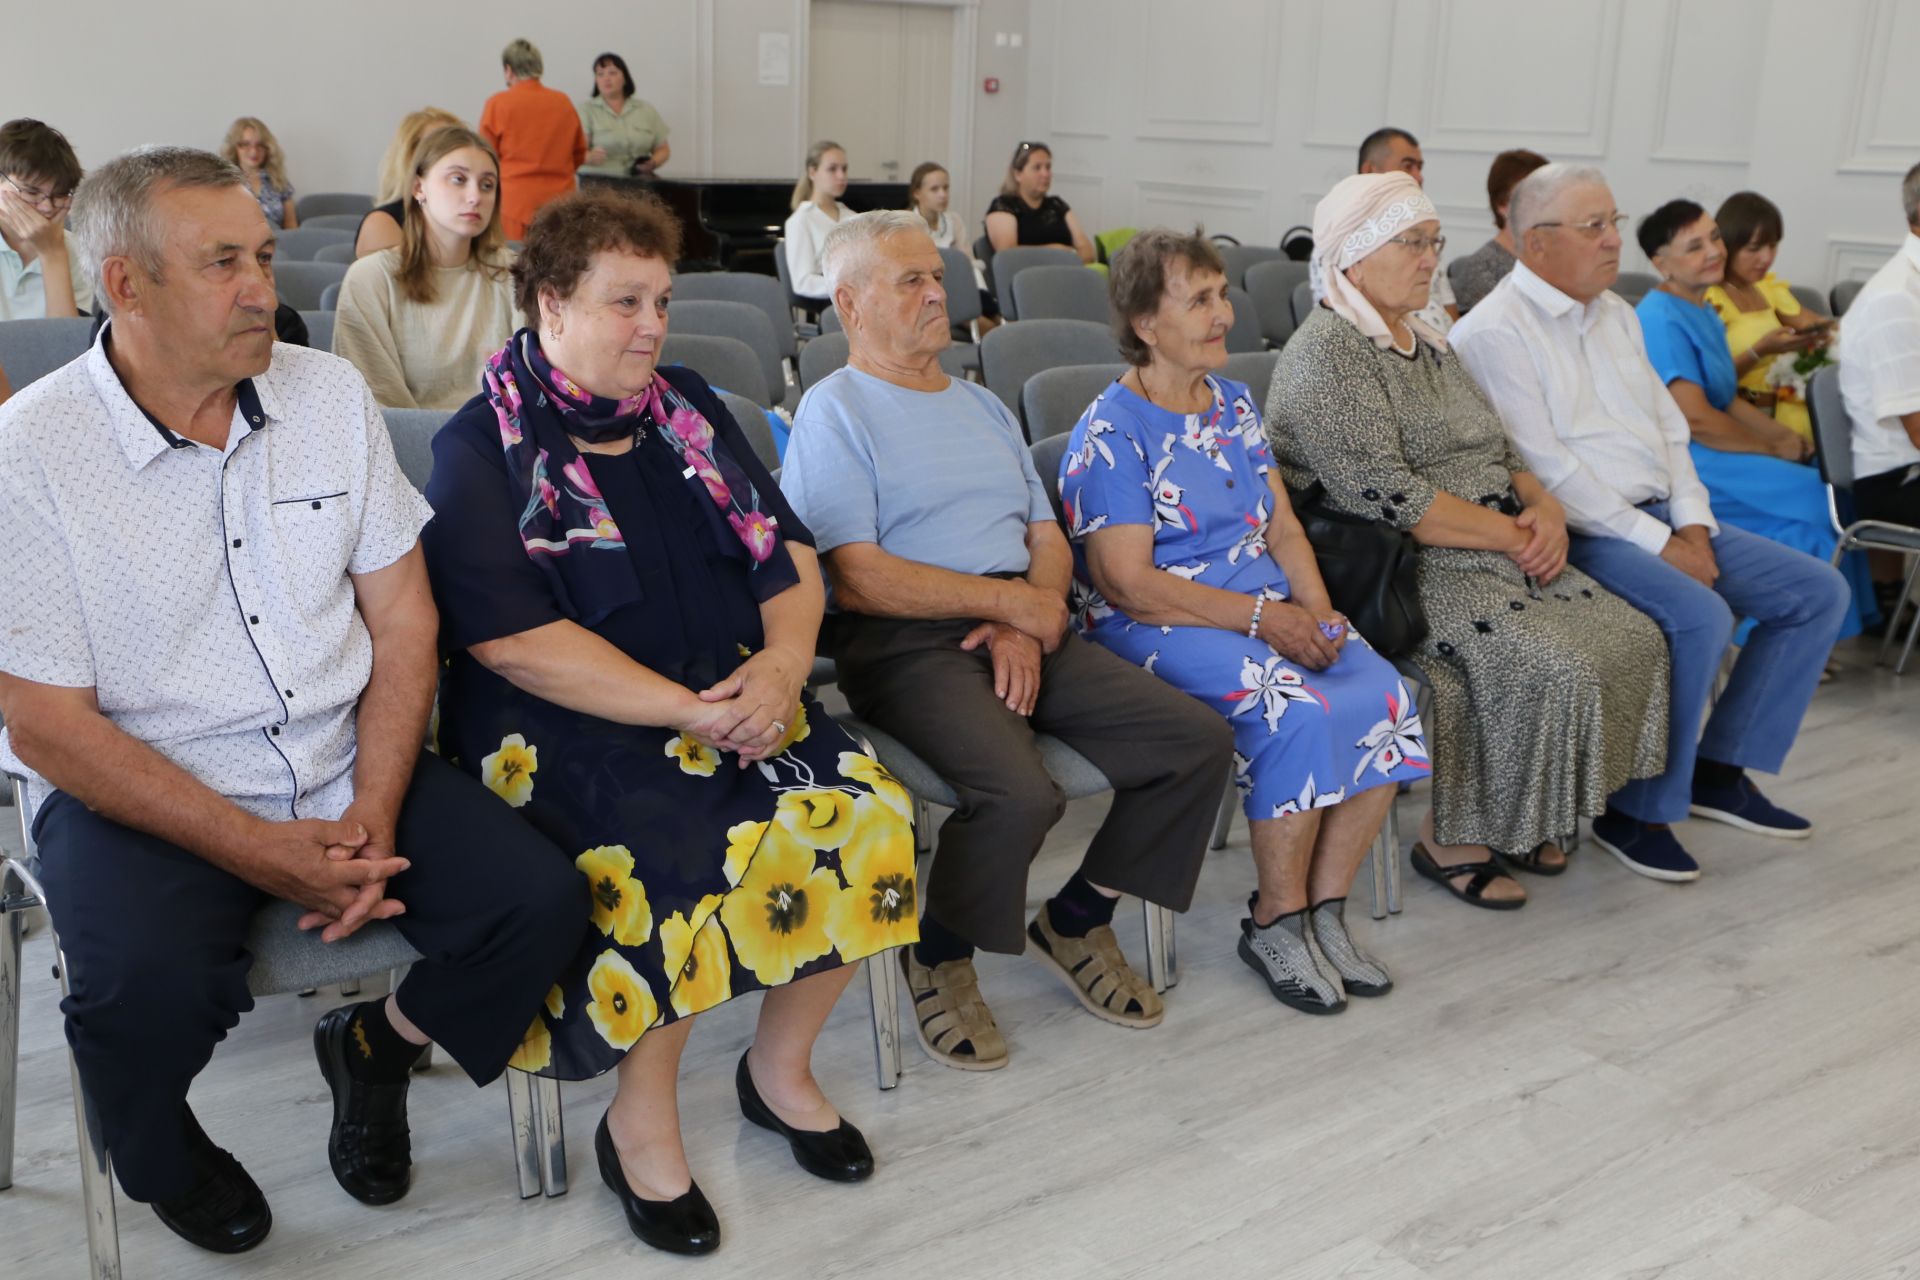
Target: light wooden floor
point(1718, 1081)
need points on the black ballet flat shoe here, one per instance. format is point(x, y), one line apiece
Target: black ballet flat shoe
point(838, 1155)
point(685, 1225)
point(225, 1212)
point(368, 1148)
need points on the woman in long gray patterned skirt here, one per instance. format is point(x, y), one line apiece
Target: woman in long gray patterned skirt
point(1549, 693)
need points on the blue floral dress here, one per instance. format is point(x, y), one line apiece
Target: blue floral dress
point(1303, 739)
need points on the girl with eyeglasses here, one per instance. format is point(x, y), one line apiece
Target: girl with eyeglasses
point(40, 272)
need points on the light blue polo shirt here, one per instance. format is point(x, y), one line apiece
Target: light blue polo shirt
point(938, 477)
point(23, 295)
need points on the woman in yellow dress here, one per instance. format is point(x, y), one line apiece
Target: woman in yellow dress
point(1764, 321)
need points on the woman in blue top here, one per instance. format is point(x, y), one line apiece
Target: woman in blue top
point(1189, 561)
point(1755, 469)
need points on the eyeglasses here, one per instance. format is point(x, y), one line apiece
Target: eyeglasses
point(1593, 229)
point(33, 195)
point(1437, 244)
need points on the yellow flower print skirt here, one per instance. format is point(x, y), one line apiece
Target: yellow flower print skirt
point(706, 881)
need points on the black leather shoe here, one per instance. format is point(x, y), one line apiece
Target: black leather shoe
point(225, 1213)
point(838, 1155)
point(368, 1147)
point(685, 1225)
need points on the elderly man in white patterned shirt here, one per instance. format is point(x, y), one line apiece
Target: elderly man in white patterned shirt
point(1562, 360)
point(219, 654)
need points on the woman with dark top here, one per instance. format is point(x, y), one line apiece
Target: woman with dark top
point(1475, 275)
point(630, 608)
point(1025, 214)
point(381, 228)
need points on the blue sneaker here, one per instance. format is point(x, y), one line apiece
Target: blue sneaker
point(1741, 805)
point(1651, 851)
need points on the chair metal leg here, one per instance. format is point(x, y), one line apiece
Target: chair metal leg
point(551, 1134)
point(1223, 825)
point(350, 988)
point(883, 992)
point(96, 1169)
point(1379, 856)
point(922, 827)
point(526, 1138)
point(1900, 602)
point(1390, 832)
point(1158, 922)
point(12, 929)
point(1913, 630)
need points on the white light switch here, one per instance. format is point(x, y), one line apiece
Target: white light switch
point(1018, 39)
point(999, 39)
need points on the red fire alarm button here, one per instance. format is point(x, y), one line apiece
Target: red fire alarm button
point(993, 84)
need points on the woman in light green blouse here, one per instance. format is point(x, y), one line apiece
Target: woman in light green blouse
point(625, 136)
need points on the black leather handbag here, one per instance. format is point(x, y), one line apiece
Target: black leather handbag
point(1370, 572)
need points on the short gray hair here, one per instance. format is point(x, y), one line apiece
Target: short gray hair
point(113, 215)
point(523, 59)
point(847, 248)
point(1528, 205)
point(1910, 195)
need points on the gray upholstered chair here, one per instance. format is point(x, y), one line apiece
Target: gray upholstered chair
point(1833, 433)
point(764, 292)
point(332, 203)
point(1239, 257)
point(341, 253)
point(1015, 352)
point(754, 425)
point(963, 305)
point(830, 321)
point(412, 432)
point(1008, 263)
point(741, 320)
point(1245, 335)
point(727, 364)
point(809, 307)
point(1066, 292)
point(1271, 284)
point(1053, 399)
point(319, 329)
point(303, 244)
point(300, 284)
point(1255, 368)
point(822, 356)
point(1809, 298)
point(339, 221)
point(32, 349)
point(329, 297)
point(1635, 285)
point(1302, 304)
point(1842, 296)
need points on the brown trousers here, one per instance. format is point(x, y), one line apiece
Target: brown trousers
point(1166, 754)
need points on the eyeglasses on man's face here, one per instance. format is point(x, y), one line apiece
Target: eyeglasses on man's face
point(35, 196)
point(1593, 228)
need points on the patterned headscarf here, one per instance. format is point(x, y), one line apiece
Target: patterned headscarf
point(1360, 215)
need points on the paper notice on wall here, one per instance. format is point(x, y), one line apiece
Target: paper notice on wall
point(776, 57)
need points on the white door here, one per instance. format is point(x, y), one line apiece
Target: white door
point(880, 83)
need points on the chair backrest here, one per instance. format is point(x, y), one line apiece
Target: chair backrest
point(1843, 294)
point(324, 203)
point(1047, 453)
point(764, 292)
point(754, 425)
point(300, 283)
point(821, 357)
point(1302, 303)
point(1832, 428)
point(1064, 292)
point(319, 329)
point(412, 431)
point(740, 320)
point(1809, 298)
point(830, 321)
point(338, 221)
point(341, 253)
point(1635, 285)
point(329, 297)
point(1271, 285)
point(983, 250)
point(32, 349)
point(1053, 399)
point(1015, 352)
point(303, 244)
point(1245, 336)
point(963, 290)
point(1255, 368)
point(727, 364)
point(1239, 257)
point(1009, 263)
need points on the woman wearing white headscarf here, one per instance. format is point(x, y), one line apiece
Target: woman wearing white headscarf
point(1549, 693)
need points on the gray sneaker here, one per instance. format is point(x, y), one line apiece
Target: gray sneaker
point(1360, 973)
point(1286, 955)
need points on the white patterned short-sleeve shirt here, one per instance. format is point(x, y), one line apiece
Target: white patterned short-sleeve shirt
point(204, 593)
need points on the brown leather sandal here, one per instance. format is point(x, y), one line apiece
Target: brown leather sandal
point(1098, 974)
point(953, 1023)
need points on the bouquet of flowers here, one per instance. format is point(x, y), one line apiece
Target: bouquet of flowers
point(1788, 378)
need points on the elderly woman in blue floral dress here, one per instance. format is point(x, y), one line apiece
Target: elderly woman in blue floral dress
point(630, 609)
point(1191, 563)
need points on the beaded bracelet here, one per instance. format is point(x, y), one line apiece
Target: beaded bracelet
point(1259, 607)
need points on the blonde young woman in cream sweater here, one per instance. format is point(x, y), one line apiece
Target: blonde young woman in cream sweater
point(420, 320)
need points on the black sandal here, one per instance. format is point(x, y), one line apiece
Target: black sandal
point(1483, 873)
point(1529, 862)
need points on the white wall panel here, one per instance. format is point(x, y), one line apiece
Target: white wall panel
point(1217, 90)
point(1347, 96)
point(1694, 121)
point(1883, 134)
point(1080, 69)
point(1511, 73)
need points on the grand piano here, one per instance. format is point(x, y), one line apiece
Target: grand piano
point(731, 223)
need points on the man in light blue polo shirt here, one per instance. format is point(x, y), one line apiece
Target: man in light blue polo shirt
point(40, 271)
point(949, 577)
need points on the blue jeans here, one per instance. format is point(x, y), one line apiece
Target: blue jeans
point(1797, 603)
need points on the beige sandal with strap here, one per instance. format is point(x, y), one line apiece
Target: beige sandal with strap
point(954, 1024)
point(1096, 972)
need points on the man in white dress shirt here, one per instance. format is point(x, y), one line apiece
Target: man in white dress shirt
point(1563, 361)
point(1880, 378)
point(219, 654)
